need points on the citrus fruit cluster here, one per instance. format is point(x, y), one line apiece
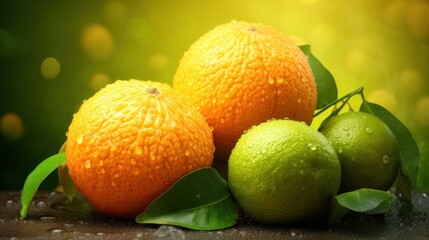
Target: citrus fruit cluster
point(133, 139)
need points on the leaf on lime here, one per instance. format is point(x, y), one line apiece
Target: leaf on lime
point(408, 149)
point(364, 200)
point(36, 177)
point(200, 200)
point(325, 83)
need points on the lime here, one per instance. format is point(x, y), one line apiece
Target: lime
point(283, 171)
point(367, 149)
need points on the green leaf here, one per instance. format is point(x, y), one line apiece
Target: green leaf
point(66, 182)
point(368, 201)
point(408, 149)
point(200, 200)
point(326, 87)
point(36, 177)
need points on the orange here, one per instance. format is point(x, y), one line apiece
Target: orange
point(241, 74)
point(131, 141)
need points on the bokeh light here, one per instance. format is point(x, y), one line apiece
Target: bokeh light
point(11, 126)
point(417, 18)
point(50, 68)
point(410, 84)
point(422, 111)
point(384, 98)
point(115, 10)
point(99, 80)
point(159, 61)
point(138, 28)
point(97, 42)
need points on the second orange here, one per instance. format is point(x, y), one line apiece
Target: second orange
point(241, 74)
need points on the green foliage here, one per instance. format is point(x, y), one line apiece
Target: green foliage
point(200, 200)
point(369, 201)
point(36, 177)
point(325, 82)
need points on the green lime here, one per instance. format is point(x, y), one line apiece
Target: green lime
point(367, 149)
point(283, 171)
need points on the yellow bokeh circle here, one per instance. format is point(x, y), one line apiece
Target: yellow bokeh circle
point(50, 68)
point(11, 126)
point(97, 42)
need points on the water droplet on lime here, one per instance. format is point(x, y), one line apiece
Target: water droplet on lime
point(311, 146)
point(369, 130)
point(385, 159)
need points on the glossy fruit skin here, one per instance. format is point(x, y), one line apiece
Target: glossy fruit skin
point(367, 149)
point(283, 172)
point(131, 141)
point(241, 74)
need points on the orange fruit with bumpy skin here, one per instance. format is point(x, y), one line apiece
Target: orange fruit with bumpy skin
point(133, 140)
point(241, 74)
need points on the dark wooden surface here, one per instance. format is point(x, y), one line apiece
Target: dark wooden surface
point(51, 217)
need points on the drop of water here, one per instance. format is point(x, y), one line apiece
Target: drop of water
point(80, 138)
point(187, 153)
point(9, 203)
point(88, 164)
point(369, 130)
point(56, 230)
point(270, 80)
point(47, 218)
point(170, 232)
point(138, 151)
point(385, 159)
point(311, 146)
point(41, 204)
point(346, 128)
point(280, 80)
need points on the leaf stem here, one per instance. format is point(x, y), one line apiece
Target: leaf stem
point(343, 99)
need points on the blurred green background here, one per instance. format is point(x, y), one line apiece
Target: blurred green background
point(55, 54)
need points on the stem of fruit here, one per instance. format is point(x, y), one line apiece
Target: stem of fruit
point(343, 99)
